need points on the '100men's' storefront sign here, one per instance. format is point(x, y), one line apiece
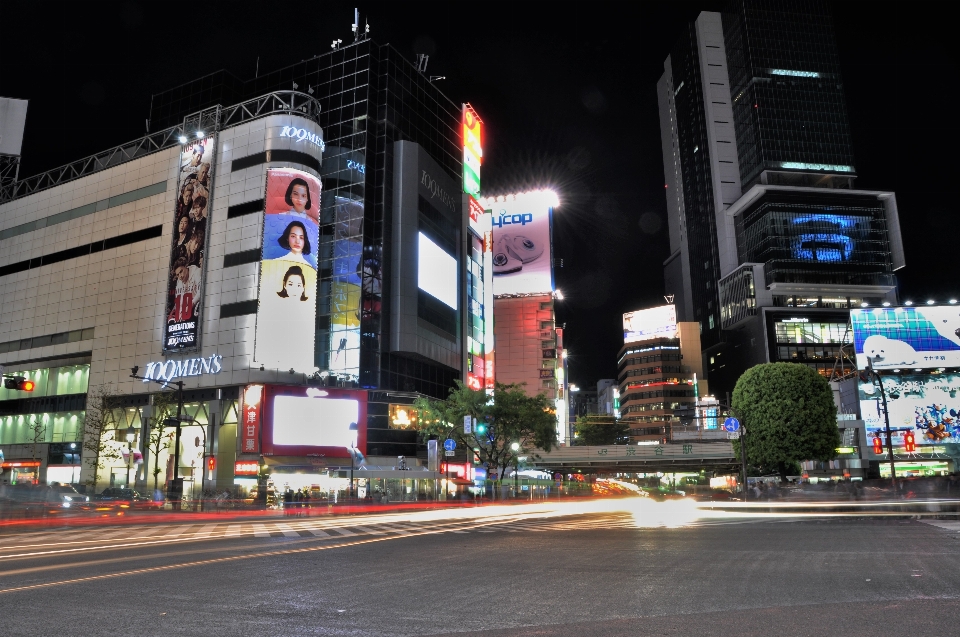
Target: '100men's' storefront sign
point(168, 370)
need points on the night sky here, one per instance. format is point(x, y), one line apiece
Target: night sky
point(568, 96)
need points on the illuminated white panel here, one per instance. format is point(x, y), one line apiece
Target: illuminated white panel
point(436, 272)
point(314, 422)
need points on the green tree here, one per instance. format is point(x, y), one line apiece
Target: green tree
point(789, 415)
point(594, 429)
point(100, 419)
point(164, 406)
point(511, 419)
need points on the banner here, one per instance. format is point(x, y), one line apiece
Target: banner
point(286, 317)
point(185, 276)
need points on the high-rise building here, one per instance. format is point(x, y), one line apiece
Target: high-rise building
point(771, 244)
point(293, 247)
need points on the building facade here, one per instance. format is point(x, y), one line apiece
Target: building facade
point(767, 231)
point(168, 258)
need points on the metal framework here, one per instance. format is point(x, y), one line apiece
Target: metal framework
point(210, 119)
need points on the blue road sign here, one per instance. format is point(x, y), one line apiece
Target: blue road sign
point(449, 444)
point(731, 424)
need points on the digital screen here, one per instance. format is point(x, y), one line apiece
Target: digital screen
point(522, 244)
point(926, 404)
point(908, 337)
point(657, 322)
point(304, 421)
point(286, 317)
point(436, 272)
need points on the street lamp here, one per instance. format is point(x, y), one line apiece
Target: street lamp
point(516, 468)
point(131, 434)
point(874, 376)
point(175, 486)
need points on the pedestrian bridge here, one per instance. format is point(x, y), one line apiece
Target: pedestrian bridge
point(670, 457)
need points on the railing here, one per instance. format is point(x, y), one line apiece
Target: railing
point(216, 117)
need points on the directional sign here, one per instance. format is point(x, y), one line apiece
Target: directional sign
point(449, 444)
point(467, 424)
point(731, 424)
point(733, 435)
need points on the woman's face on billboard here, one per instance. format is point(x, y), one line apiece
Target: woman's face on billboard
point(294, 287)
point(299, 197)
point(295, 239)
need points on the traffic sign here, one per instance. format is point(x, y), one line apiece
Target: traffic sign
point(733, 435)
point(448, 452)
point(449, 444)
point(467, 424)
point(731, 424)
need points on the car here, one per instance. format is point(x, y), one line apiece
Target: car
point(127, 499)
point(70, 498)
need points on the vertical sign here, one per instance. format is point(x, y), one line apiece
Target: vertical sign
point(472, 150)
point(184, 312)
point(252, 418)
point(488, 341)
point(286, 317)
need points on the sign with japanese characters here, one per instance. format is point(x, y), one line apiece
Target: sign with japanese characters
point(251, 419)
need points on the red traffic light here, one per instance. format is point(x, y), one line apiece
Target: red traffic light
point(211, 463)
point(877, 446)
point(909, 442)
point(18, 382)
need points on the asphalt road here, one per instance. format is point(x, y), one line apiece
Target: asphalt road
point(522, 571)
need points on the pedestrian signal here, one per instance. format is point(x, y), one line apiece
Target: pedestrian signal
point(909, 442)
point(877, 445)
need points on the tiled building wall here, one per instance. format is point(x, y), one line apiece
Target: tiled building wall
point(521, 332)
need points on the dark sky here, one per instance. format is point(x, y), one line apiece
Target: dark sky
point(568, 96)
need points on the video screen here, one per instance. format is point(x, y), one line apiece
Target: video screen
point(315, 422)
point(437, 272)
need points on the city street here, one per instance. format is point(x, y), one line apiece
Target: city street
point(624, 567)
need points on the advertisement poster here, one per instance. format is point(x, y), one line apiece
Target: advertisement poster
point(185, 276)
point(288, 272)
point(913, 337)
point(926, 404)
point(522, 250)
point(656, 322)
point(347, 282)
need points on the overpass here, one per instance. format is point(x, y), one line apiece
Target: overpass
point(666, 458)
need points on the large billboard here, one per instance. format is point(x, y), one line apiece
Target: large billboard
point(907, 337)
point(656, 322)
point(346, 286)
point(286, 317)
point(184, 299)
point(312, 421)
point(522, 243)
point(923, 403)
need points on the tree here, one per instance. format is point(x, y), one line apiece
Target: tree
point(100, 418)
point(594, 429)
point(512, 417)
point(164, 406)
point(789, 415)
point(38, 435)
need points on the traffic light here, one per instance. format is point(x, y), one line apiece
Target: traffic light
point(481, 428)
point(909, 443)
point(211, 463)
point(18, 382)
point(877, 445)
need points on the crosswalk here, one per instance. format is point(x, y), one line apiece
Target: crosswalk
point(308, 528)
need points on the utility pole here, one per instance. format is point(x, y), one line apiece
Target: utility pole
point(874, 375)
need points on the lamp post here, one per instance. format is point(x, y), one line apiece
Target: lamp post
point(874, 376)
point(515, 447)
point(131, 434)
point(175, 487)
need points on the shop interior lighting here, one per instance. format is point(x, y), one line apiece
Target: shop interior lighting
point(864, 304)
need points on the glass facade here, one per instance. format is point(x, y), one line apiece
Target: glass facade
point(811, 238)
point(699, 215)
point(817, 342)
point(50, 381)
point(370, 97)
point(788, 103)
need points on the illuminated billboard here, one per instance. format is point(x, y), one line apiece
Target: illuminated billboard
point(346, 286)
point(288, 272)
point(522, 243)
point(656, 322)
point(312, 421)
point(472, 150)
point(927, 405)
point(436, 272)
point(908, 337)
point(184, 311)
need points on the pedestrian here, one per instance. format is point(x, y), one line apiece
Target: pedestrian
point(288, 502)
point(306, 502)
point(298, 501)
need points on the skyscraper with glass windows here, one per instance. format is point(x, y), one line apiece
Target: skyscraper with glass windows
point(771, 244)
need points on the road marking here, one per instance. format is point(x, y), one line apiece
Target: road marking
point(176, 531)
point(319, 533)
point(233, 530)
point(205, 531)
point(260, 530)
point(395, 529)
point(947, 525)
point(342, 531)
point(369, 531)
point(286, 529)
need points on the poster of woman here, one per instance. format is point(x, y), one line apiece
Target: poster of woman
point(285, 329)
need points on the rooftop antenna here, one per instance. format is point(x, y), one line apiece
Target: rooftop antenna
point(355, 27)
point(336, 44)
point(668, 298)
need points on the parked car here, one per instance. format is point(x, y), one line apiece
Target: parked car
point(127, 498)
